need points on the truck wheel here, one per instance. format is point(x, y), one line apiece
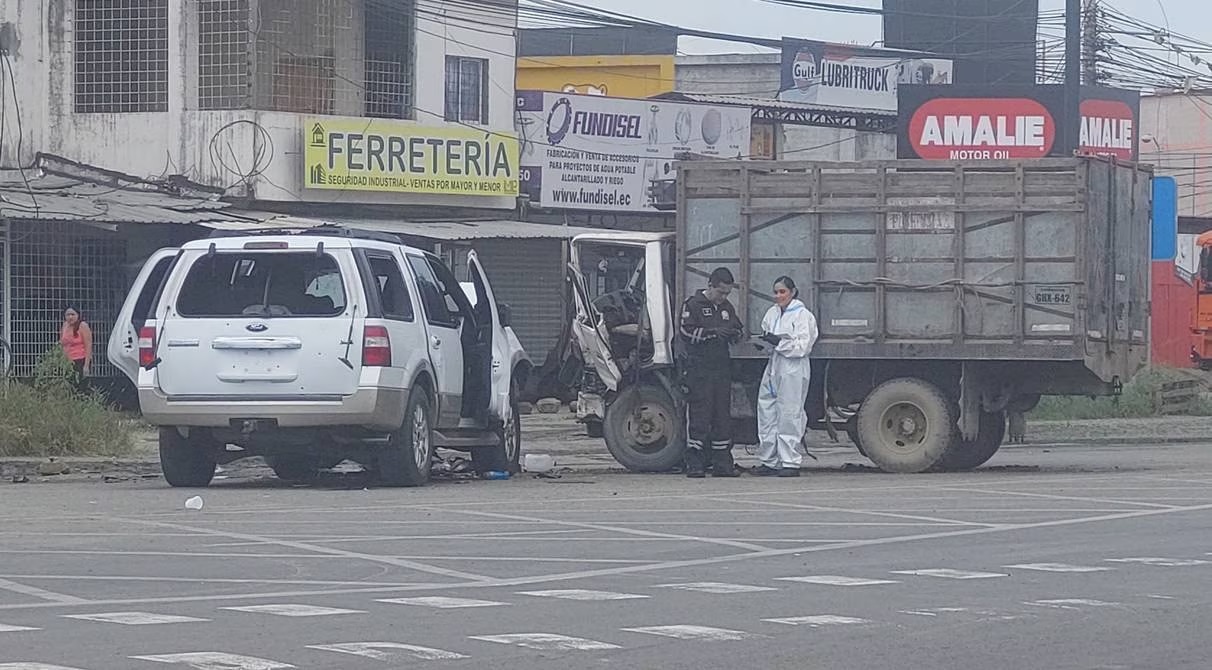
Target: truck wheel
point(852, 433)
point(595, 429)
point(407, 458)
point(971, 454)
point(906, 425)
point(507, 455)
point(295, 469)
point(644, 430)
point(185, 461)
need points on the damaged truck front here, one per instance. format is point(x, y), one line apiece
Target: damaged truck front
point(950, 298)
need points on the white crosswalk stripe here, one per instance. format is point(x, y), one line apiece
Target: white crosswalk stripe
point(688, 632)
point(1056, 567)
point(1071, 603)
point(836, 580)
point(1161, 562)
point(717, 587)
point(583, 594)
point(135, 618)
point(948, 573)
point(216, 660)
point(547, 642)
point(819, 620)
point(442, 602)
point(383, 651)
point(290, 610)
point(33, 666)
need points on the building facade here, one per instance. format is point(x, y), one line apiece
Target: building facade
point(336, 110)
point(227, 92)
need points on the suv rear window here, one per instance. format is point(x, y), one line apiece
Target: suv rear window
point(263, 284)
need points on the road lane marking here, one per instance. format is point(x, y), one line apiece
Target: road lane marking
point(1162, 562)
point(1071, 603)
point(442, 602)
point(608, 528)
point(216, 660)
point(583, 594)
point(841, 545)
point(819, 620)
point(688, 632)
point(836, 580)
point(379, 651)
point(716, 587)
point(33, 666)
point(1049, 496)
point(16, 629)
point(40, 594)
point(923, 520)
point(948, 573)
point(934, 611)
point(293, 610)
point(135, 618)
point(547, 642)
point(1056, 567)
point(306, 546)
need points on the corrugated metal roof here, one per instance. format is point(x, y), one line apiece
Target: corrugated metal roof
point(747, 101)
point(52, 197)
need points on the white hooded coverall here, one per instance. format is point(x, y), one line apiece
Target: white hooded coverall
point(781, 416)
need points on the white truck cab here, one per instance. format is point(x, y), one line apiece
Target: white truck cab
point(315, 346)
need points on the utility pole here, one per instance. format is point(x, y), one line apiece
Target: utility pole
point(1073, 75)
point(1090, 44)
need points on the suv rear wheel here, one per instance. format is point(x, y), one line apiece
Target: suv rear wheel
point(406, 460)
point(187, 462)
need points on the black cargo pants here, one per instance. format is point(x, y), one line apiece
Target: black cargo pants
point(709, 411)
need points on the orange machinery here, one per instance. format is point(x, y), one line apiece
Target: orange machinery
point(1201, 347)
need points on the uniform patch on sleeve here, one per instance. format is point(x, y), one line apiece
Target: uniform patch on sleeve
point(707, 311)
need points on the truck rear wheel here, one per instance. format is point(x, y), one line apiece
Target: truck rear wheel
point(644, 430)
point(971, 454)
point(906, 425)
point(186, 462)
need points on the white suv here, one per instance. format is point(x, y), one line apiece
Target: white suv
point(312, 347)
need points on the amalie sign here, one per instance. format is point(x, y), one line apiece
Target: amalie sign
point(1012, 122)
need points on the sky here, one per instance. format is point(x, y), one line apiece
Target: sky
point(760, 19)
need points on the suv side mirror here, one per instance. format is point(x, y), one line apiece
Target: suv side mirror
point(506, 314)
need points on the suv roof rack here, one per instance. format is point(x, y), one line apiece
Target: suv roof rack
point(326, 230)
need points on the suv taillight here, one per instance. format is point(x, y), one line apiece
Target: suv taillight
point(376, 347)
point(147, 347)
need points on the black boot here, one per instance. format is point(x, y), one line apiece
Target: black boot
point(722, 464)
point(695, 464)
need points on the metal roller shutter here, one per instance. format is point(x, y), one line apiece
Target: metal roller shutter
point(528, 275)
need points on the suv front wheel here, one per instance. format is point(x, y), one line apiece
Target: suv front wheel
point(406, 460)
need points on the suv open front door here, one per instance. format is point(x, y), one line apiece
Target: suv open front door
point(488, 318)
point(591, 333)
point(123, 346)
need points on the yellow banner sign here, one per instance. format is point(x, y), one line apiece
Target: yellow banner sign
point(401, 157)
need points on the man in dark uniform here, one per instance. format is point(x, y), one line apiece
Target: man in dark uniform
point(709, 324)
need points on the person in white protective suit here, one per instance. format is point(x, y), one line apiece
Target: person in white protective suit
point(791, 330)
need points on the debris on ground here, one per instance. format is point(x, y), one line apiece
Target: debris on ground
point(538, 463)
point(195, 503)
point(549, 405)
point(53, 468)
point(20, 479)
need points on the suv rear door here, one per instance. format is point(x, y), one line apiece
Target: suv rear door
point(269, 320)
point(123, 346)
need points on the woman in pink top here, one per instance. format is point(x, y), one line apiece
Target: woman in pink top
point(76, 338)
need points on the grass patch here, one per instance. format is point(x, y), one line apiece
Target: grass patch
point(50, 418)
point(1136, 401)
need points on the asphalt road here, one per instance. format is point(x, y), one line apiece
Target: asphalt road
point(1083, 558)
